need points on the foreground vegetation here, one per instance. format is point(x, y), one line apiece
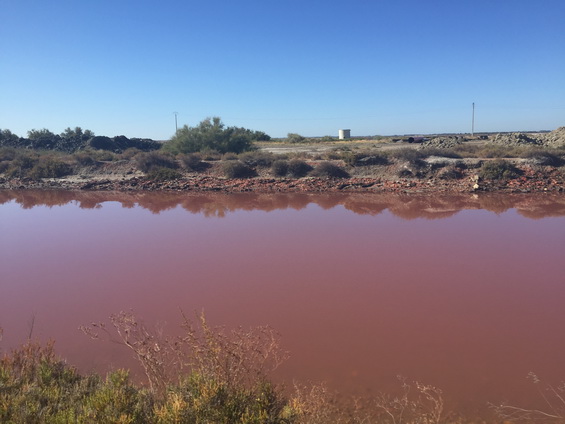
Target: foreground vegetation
point(210, 375)
point(206, 375)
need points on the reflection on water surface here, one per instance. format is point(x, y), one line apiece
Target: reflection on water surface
point(408, 206)
point(470, 302)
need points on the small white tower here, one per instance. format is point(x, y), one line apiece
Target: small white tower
point(344, 134)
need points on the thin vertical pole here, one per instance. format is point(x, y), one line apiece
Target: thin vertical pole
point(473, 122)
point(176, 125)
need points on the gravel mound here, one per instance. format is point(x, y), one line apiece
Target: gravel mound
point(443, 142)
point(555, 138)
point(518, 139)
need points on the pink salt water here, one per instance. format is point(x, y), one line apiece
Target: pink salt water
point(465, 293)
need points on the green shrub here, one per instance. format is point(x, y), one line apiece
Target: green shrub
point(103, 155)
point(257, 158)
point(130, 153)
point(210, 154)
point(409, 155)
point(329, 170)
point(84, 158)
point(298, 168)
point(163, 174)
point(8, 138)
point(212, 134)
point(279, 168)
point(21, 165)
point(544, 158)
point(7, 153)
point(121, 143)
point(48, 167)
point(38, 387)
point(295, 138)
point(199, 399)
point(147, 161)
point(498, 170)
point(237, 169)
point(193, 162)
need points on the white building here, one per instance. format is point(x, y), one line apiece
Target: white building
point(344, 134)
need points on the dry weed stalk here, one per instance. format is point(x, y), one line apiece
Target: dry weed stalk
point(424, 406)
point(238, 358)
point(148, 348)
point(315, 404)
point(553, 397)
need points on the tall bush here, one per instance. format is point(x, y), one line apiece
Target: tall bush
point(298, 168)
point(295, 138)
point(237, 169)
point(212, 134)
point(329, 170)
point(280, 168)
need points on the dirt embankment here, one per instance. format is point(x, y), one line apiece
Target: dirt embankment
point(388, 167)
point(532, 179)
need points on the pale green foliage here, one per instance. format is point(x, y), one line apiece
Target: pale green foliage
point(212, 134)
point(38, 387)
point(8, 138)
point(295, 138)
point(38, 134)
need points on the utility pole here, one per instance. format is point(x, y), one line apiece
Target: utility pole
point(473, 122)
point(176, 125)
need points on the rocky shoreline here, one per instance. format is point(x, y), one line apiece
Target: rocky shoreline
point(531, 181)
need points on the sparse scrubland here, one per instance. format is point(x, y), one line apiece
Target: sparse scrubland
point(209, 155)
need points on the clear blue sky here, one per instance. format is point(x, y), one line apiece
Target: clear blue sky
point(310, 67)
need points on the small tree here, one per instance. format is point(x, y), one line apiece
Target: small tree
point(211, 134)
point(8, 138)
point(295, 138)
point(39, 134)
point(74, 139)
point(77, 134)
point(43, 139)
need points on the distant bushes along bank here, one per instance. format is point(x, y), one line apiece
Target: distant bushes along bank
point(73, 140)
